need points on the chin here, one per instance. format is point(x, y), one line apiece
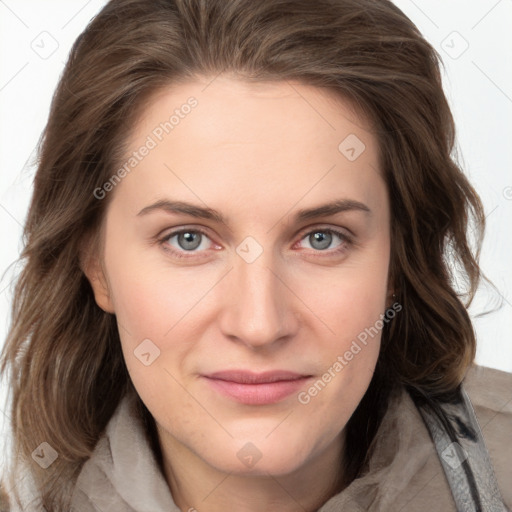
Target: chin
point(258, 458)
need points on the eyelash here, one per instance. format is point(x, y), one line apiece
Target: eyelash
point(345, 239)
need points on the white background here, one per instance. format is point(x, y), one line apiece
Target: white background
point(36, 37)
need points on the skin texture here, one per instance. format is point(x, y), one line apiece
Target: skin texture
point(257, 153)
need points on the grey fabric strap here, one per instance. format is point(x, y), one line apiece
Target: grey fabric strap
point(454, 429)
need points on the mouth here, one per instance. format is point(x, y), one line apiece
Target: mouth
point(257, 388)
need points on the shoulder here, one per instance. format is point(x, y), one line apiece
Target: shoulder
point(496, 384)
point(490, 392)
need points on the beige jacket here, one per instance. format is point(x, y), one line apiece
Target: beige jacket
point(405, 471)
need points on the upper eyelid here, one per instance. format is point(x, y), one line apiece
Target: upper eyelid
point(308, 230)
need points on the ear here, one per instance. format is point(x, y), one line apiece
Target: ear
point(391, 295)
point(391, 298)
point(91, 265)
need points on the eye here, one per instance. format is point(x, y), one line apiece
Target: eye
point(185, 240)
point(192, 241)
point(321, 239)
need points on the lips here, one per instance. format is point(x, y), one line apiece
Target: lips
point(257, 388)
point(247, 377)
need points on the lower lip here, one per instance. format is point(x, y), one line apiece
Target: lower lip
point(258, 394)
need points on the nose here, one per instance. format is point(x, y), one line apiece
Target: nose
point(259, 309)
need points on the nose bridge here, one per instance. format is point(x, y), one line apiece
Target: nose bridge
point(259, 309)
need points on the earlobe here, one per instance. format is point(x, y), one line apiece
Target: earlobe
point(391, 297)
point(92, 268)
point(101, 290)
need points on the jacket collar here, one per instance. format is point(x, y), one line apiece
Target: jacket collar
point(122, 473)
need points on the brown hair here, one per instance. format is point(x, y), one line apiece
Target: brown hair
point(67, 369)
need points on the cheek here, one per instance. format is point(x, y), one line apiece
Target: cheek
point(351, 303)
point(161, 305)
point(149, 299)
point(349, 353)
point(143, 308)
point(347, 300)
point(151, 323)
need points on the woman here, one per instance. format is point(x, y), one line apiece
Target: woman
point(236, 293)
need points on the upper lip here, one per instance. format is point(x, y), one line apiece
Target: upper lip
point(248, 377)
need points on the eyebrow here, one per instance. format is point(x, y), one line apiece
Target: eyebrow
point(331, 208)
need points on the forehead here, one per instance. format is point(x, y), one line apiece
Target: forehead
point(255, 140)
point(254, 109)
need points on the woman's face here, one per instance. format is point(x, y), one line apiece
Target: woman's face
point(258, 281)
